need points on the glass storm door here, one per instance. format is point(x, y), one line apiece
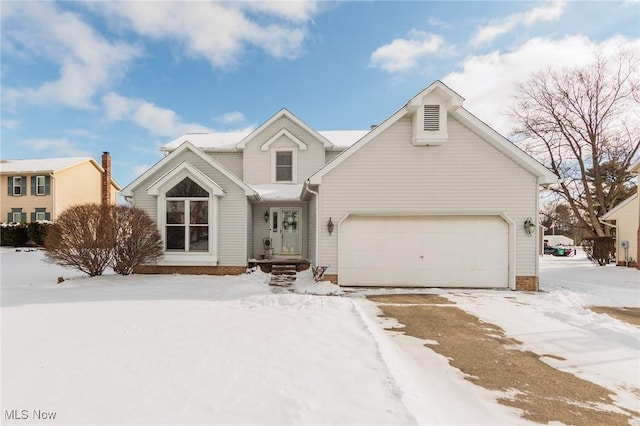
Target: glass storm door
point(286, 231)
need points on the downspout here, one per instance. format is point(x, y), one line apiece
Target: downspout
point(317, 250)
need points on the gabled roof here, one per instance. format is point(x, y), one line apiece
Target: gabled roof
point(185, 169)
point(214, 141)
point(44, 165)
point(454, 106)
point(188, 146)
point(608, 215)
point(284, 113)
point(49, 165)
point(284, 132)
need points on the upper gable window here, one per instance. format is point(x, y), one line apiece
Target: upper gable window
point(284, 166)
point(187, 188)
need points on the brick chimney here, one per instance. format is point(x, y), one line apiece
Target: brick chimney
point(106, 179)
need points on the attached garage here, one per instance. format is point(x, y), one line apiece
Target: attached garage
point(424, 251)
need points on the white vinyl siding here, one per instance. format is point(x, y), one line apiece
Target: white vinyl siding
point(390, 175)
point(330, 155)
point(231, 161)
point(258, 164)
point(232, 213)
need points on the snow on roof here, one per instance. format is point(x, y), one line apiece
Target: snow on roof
point(343, 138)
point(226, 141)
point(40, 165)
point(278, 191)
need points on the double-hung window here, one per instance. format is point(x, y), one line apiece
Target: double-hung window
point(187, 217)
point(17, 186)
point(41, 186)
point(284, 166)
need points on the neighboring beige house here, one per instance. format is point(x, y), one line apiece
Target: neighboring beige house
point(627, 222)
point(626, 216)
point(431, 197)
point(40, 189)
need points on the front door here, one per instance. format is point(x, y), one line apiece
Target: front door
point(286, 232)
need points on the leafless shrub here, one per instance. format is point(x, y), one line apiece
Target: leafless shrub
point(82, 238)
point(137, 239)
point(599, 249)
point(91, 237)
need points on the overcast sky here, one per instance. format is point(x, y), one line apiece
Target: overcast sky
point(79, 78)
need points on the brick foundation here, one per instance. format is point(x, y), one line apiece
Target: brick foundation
point(330, 277)
point(527, 283)
point(191, 270)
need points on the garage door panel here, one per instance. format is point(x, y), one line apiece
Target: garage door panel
point(438, 251)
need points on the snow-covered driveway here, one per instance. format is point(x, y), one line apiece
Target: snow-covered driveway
point(226, 350)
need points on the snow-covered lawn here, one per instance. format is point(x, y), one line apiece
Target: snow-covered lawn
point(227, 350)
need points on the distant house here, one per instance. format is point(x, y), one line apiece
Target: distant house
point(430, 197)
point(40, 189)
point(555, 240)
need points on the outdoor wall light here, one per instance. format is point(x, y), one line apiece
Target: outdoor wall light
point(330, 226)
point(529, 226)
point(266, 216)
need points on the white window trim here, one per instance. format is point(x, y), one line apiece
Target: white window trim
point(187, 223)
point(43, 186)
point(197, 258)
point(284, 132)
point(41, 216)
point(294, 165)
point(13, 179)
point(13, 216)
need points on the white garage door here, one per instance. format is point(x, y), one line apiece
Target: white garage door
point(423, 251)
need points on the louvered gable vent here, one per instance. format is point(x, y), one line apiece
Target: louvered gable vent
point(431, 118)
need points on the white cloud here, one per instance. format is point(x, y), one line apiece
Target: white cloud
point(218, 32)
point(156, 120)
point(230, 118)
point(406, 54)
point(88, 62)
point(9, 124)
point(488, 81)
point(546, 12)
point(53, 147)
point(296, 11)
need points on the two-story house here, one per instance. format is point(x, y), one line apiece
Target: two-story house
point(429, 197)
point(40, 189)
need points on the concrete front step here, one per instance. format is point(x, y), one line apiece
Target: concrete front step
point(282, 280)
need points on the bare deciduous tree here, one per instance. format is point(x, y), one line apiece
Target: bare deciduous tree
point(583, 124)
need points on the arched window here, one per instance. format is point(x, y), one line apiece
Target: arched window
point(187, 221)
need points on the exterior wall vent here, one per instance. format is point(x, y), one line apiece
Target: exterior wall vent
point(431, 118)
